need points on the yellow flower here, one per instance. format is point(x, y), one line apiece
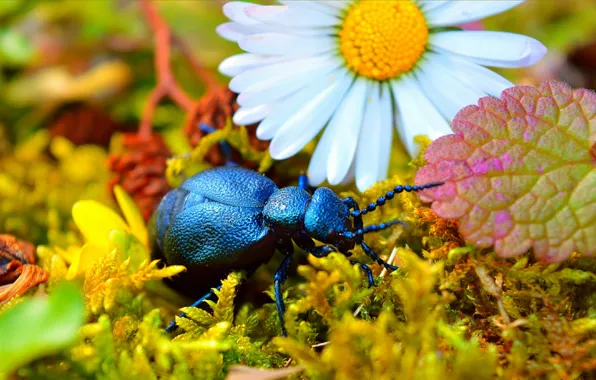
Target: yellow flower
point(104, 230)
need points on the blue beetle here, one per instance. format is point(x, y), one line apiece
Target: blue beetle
point(230, 218)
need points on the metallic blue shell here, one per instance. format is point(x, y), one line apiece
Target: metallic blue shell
point(213, 224)
point(286, 207)
point(172, 204)
point(214, 234)
point(232, 186)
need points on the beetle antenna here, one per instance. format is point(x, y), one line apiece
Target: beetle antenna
point(372, 228)
point(390, 194)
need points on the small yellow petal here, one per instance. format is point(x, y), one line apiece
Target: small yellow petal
point(84, 259)
point(74, 266)
point(90, 254)
point(96, 221)
point(132, 214)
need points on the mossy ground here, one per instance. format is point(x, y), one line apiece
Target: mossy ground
point(450, 311)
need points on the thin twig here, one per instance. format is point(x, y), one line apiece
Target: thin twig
point(166, 83)
point(320, 344)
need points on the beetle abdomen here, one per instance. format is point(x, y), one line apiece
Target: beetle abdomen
point(172, 204)
point(213, 234)
point(232, 185)
point(212, 224)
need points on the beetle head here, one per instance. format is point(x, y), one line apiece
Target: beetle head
point(327, 218)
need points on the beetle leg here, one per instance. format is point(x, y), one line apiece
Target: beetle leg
point(303, 241)
point(374, 256)
point(173, 326)
point(308, 245)
point(279, 279)
point(226, 149)
point(303, 183)
point(322, 250)
point(367, 271)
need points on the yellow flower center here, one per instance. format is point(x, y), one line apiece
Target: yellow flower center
point(383, 39)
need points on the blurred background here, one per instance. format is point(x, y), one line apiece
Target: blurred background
point(73, 73)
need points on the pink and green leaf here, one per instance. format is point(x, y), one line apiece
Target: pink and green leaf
point(520, 172)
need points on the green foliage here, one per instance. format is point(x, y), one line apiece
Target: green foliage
point(14, 47)
point(39, 327)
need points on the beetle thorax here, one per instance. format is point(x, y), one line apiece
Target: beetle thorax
point(285, 209)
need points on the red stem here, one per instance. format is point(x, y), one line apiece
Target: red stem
point(166, 83)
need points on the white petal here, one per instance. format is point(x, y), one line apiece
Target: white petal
point(232, 31)
point(337, 4)
point(387, 121)
point(459, 12)
point(247, 116)
point(317, 168)
point(429, 5)
point(234, 10)
point(285, 82)
point(349, 178)
point(239, 63)
point(262, 78)
point(446, 91)
point(368, 154)
point(289, 106)
point(290, 16)
point(498, 49)
point(349, 116)
point(417, 115)
point(286, 44)
point(306, 123)
point(235, 31)
point(474, 75)
point(319, 6)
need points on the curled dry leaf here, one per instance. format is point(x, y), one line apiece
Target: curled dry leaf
point(520, 172)
point(214, 110)
point(18, 272)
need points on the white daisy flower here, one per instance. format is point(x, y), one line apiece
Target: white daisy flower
point(357, 68)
